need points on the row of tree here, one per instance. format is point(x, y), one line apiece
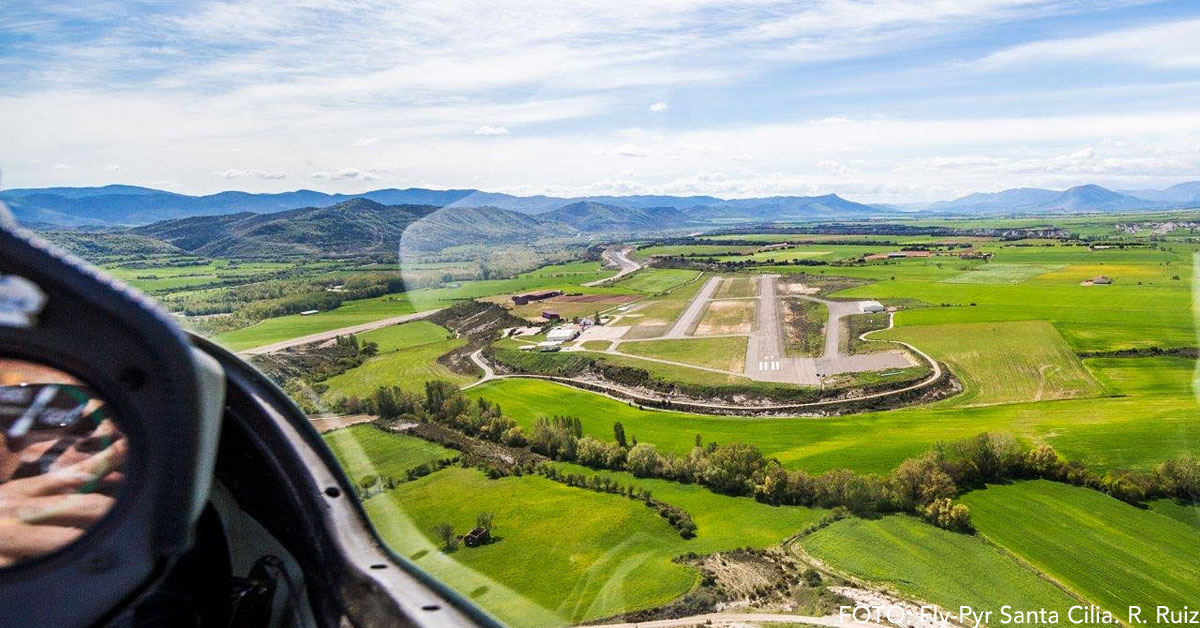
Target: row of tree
point(674, 515)
point(924, 485)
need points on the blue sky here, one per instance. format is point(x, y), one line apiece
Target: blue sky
point(886, 100)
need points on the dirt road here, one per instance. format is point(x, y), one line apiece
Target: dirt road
point(334, 333)
point(691, 315)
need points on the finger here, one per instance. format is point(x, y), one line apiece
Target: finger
point(19, 541)
point(75, 510)
point(74, 477)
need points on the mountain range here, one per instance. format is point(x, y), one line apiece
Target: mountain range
point(125, 205)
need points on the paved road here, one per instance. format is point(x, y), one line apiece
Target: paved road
point(619, 258)
point(488, 373)
point(334, 333)
point(691, 315)
point(725, 619)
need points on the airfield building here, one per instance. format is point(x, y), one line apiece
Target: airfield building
point(562, 333)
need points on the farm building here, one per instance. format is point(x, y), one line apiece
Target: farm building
point(551, 316)
point(309, 312)
point(528, 297)
point(1101, 281)
point(562, 333)
point(870, 307)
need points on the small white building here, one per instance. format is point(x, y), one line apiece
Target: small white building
point(309, 312)
point(562, 333)
point(871, 307)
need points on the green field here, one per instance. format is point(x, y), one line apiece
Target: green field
point(1107, 551)
point(407, 358)
point(727, 354)
point(1002, 273)
point(804, 327)
point(911, 557)
point(1138, 430)
point(366, 450)
point(656, 280)
point(613, 553)
point(1003, 362)
point(731, 316)
point(1184, 513)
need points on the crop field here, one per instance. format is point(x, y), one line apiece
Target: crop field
point(366, 450)
point(615, 554)
point(172, 278)
point(736, 288)
point(612, 554)
point(1188, 514)
point(1136, 431)
point(1003, 362)
point(407, 358)
point(1130, 313)
point(1002, 273)
point(907, 555)
point(732, 316)
point(728, 354)
point(694, 249)
point(1105, 550)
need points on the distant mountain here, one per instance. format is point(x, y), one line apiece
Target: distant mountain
point(786, 208)
point(357, 226)
point(1081, 198)
point(1183, 193)
point(125, 205)
point(453, 226)
point(592, 217)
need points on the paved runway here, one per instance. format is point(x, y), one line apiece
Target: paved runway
point(687, 321)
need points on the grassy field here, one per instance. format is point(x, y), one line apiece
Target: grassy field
point(1138, 430)
point(407, 358)
point(366, 450)
point(728, 353)
point(726, 317)
point(656, 280)
point(917, 560)
point(611, 554)
point(1003, 362)
point(1188, 514)
point(737, 288)
point(615, 554)
point(1002, 273)
point(1107, 551)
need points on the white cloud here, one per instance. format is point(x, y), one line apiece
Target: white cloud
point(365, 141)
point(345, 174)
point(659, 106)
point(1169, 46)
point(247, 173)
point(491, 130)
point(61, 167)
point(112, 167)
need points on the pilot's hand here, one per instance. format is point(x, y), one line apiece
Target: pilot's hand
point(42, 513)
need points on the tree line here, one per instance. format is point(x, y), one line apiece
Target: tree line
point(925, 485)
